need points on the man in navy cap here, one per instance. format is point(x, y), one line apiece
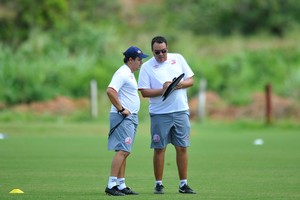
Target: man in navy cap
point(123, 94)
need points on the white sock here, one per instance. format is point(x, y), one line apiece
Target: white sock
point(158, 182)
point(121, 183)
point(182, 182)
point(112, 181)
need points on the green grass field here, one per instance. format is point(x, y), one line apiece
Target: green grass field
point(70, 161)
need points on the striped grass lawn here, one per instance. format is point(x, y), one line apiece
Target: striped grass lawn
point(70, 161)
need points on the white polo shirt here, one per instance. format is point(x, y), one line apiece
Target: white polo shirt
point(124, 82)
point(153, 75)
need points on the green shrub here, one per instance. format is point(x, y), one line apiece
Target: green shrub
point(62, 60)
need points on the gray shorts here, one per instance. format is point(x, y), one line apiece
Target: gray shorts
point(170, 128)
point(123, 136)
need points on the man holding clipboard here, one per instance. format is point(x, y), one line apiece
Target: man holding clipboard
point(169, 109)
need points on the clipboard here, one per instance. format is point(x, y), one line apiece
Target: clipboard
point(172, 86)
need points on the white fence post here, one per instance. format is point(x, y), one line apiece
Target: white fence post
point(94, 98)
point(201, 100)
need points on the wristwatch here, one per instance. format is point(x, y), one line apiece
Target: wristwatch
point(122, 110)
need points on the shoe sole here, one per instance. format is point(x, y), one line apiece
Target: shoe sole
point(182, 192)
point(109, 194)
point(130, 193)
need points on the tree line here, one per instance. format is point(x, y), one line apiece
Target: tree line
point(55, 47)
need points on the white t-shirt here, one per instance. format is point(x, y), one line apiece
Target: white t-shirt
point(124, 82)
point(154, 74)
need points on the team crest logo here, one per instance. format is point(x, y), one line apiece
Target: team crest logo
point(156, 138)
point(128, 140)
point(173, 62)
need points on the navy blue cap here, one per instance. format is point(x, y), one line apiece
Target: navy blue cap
point(134, 51)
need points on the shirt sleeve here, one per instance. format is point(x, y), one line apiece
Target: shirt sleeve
point(143, 80)
point(117, 81)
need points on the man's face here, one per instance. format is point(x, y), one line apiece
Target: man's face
point(137, 63)
point(160, 51)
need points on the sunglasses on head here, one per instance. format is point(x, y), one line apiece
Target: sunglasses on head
point(157, 52)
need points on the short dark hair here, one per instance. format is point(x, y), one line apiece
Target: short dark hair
point(158, 39)
point(126, 59)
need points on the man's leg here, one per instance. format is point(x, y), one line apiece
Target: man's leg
point(121, 173)
point(158, 163)
point(182, 165)
point(182, 162)
point(121, 180)
point(117, 165)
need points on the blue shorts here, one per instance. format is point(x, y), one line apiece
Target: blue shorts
point(123, 137)
point(170, 128)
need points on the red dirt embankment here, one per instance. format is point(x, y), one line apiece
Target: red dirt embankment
point(215, 108)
